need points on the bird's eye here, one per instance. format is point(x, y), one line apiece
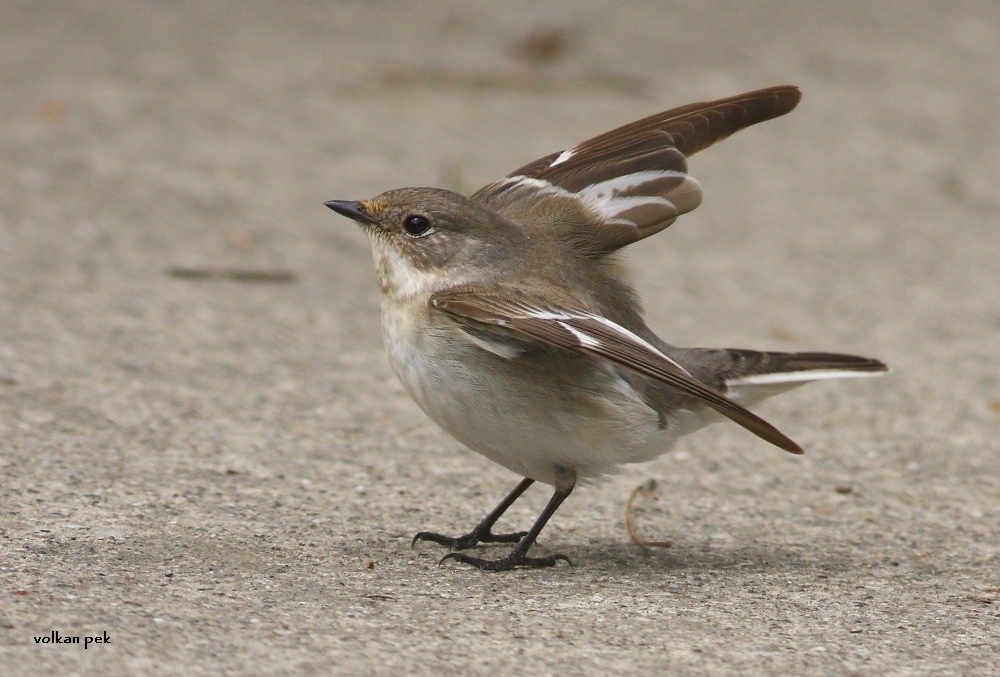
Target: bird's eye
point(416, 225)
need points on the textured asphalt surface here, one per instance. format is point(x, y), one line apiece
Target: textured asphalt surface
point(222, 474)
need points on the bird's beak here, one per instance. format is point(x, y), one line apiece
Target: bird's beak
point(352, 210)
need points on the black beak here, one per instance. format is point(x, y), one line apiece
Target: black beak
point(351, 209)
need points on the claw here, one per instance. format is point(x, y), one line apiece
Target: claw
point(508, 563)
point(436, 538)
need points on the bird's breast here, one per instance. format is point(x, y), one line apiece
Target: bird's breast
point(530, 414)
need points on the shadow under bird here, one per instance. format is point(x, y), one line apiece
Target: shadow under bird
point(508, 319)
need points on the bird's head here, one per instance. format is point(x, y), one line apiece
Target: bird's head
point(428, 239)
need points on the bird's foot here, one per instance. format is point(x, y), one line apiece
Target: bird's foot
point(514, 559)
point(469, 540)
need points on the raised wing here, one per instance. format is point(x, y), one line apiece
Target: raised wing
point(631, 182)
point(589, 334)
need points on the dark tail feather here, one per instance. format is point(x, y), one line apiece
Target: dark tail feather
point(751, 367)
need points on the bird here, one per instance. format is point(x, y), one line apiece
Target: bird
point(510, 321)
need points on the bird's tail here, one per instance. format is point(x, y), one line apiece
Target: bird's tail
point(753, 375)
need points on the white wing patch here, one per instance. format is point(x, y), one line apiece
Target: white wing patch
point(609, 189)
point(566, 321)
point(563, 156)
point(588, 341)
point(540, 185)
point(613, 198)
point(634, 338)
point(585, 341)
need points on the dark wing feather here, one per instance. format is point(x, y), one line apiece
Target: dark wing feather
point(589, 334)
point(631, 182)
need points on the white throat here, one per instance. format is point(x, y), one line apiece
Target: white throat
point(398, 278)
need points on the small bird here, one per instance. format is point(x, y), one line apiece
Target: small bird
point(509, 320)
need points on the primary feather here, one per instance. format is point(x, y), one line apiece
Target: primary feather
point(631, 182)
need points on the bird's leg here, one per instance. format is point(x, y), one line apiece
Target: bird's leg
point(565, 480)
point(482, 533)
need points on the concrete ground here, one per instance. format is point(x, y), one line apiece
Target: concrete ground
point(222, 473)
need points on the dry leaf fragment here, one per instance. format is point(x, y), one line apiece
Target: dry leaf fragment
point(646, 490)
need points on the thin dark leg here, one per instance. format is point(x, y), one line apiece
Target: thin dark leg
point(518, 556)
point(482, 533)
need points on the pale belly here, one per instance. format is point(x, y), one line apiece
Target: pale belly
point(522, 416)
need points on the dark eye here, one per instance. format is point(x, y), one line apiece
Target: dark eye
point(416, 225)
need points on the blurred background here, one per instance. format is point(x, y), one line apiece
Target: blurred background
point(192, 378)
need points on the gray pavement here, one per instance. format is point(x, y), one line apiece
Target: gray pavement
point(223, 475)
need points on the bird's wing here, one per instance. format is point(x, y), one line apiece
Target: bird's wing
point(589, 334)
point(631, 182)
